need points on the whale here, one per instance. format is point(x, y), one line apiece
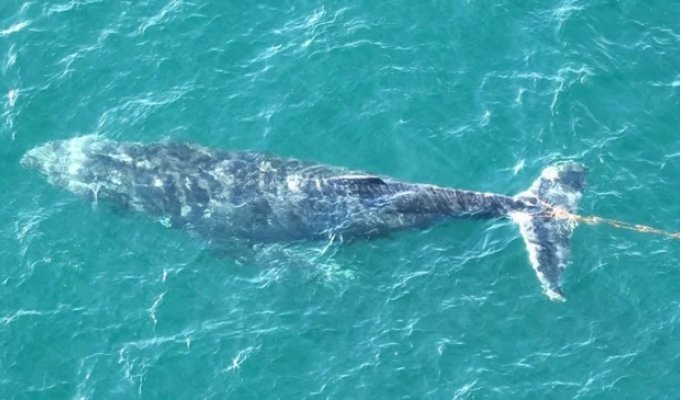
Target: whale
point(258, 197)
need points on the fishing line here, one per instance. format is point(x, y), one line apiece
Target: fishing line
point(560, 213)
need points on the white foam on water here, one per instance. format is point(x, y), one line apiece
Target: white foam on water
point(170, 7)
point(11, 57)
point(518, 167)
point(12, 96)
point(19, 26)
point(241, 357)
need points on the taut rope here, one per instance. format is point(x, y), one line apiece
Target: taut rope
point(561, 213)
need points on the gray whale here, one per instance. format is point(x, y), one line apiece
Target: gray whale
point(262, 198)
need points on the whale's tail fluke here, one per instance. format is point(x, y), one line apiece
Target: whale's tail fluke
point(547, 238)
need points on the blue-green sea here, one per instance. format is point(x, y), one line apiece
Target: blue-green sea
point(98, 303)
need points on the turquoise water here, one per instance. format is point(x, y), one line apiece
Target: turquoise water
point(97, 304)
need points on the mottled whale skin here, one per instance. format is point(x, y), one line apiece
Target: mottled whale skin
point(258, 197)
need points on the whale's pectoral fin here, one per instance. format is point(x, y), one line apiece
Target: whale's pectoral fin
point(546, 237)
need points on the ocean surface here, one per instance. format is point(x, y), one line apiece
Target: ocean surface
point(96, 303)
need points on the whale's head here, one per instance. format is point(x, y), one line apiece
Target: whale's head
point(66, 163)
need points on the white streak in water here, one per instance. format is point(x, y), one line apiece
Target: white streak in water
point(241, 357)
point(11, 58)
point(158, 18)
point(19, 26)
point(12, 96)
point(154, 307)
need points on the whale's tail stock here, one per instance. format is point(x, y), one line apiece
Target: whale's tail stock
point(547, 236)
